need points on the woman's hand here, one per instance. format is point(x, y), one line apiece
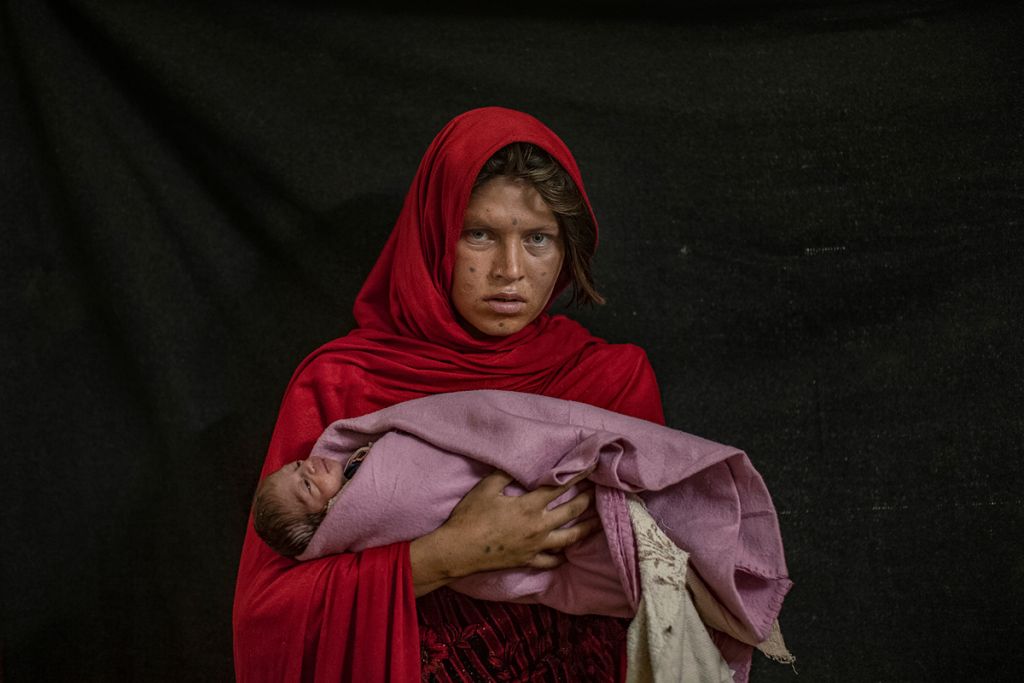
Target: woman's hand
point(488, 530)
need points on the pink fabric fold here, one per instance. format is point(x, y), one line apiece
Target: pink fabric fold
point(428, 452)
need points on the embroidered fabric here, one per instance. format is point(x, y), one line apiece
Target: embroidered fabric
point(464, 639)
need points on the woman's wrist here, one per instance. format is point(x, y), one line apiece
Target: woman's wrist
point(431, 559)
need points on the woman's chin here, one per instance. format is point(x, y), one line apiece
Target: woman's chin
point(497, 328)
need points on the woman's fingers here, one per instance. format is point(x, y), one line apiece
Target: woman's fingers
point(480, 500)
point(559, 539)
point(546, 494)
point(570, 509)
point(494, 483)
point(545, 561)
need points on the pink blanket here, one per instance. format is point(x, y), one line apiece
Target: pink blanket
point(428, 452)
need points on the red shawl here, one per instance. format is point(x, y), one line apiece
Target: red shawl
point(353, 616)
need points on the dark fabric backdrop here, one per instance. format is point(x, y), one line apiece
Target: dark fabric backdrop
point(811, 219)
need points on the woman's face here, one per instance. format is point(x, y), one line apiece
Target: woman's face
point(508, 257)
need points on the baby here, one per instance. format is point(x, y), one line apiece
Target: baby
point(290, 503)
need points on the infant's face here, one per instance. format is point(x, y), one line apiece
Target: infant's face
point(309, 484)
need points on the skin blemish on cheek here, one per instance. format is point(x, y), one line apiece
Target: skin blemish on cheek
point(472, 269)
point(501, 324)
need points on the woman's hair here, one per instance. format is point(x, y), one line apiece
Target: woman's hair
point(556, 187)
point(285, 531)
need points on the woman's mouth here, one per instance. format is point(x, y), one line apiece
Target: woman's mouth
point(506, 304)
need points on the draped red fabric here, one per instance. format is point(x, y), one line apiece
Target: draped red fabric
point(352, 617)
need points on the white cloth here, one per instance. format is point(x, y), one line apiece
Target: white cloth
point(667, 642)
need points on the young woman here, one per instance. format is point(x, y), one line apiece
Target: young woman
point(495, 225)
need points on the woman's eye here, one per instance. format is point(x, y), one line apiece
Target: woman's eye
point(477, 235)
point(539, 239)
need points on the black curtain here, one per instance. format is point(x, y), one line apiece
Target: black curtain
point(811, 220)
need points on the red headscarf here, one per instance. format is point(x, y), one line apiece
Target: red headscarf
point(352, 616)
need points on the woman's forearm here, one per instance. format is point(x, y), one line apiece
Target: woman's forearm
point(431, 563)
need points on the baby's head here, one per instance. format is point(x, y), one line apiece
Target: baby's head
point(291, 502)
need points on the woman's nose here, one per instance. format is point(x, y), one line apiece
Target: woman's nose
point(508, 263)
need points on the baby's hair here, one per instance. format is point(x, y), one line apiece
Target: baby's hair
point(284, 530)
